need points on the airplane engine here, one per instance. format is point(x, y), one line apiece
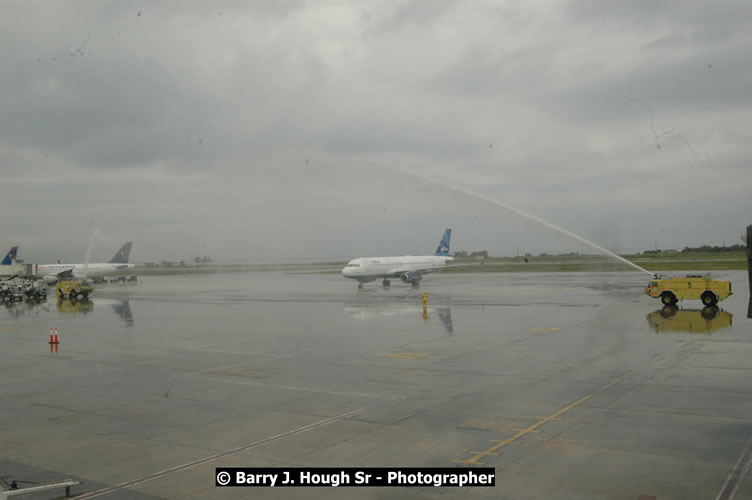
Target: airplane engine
point(50, 280)
point(410, 277)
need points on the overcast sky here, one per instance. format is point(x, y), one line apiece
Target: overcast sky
point(293, 129)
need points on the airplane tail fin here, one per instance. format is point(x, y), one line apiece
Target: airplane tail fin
point(10, 257)
point(122, 256)
point(443, 248)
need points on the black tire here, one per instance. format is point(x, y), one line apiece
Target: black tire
point(73, 294)
point(668, 298)
point(709, 298)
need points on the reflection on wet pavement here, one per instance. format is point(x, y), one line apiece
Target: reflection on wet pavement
point(675, 319)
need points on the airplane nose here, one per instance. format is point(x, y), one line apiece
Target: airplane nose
point(348, 272)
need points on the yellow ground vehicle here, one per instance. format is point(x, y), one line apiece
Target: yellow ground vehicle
point(73, 288)
point(692, 286)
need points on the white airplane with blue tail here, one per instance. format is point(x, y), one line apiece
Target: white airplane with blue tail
point(408, 268)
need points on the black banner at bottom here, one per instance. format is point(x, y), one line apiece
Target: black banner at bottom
point(353, 476)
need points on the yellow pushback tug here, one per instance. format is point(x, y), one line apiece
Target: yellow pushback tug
point(692, 286)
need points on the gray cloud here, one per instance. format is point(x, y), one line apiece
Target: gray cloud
point(280, 129)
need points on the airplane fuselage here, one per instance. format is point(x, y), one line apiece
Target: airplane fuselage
point(367, 269)
point(96, 269)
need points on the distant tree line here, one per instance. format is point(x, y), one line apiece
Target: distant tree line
point(463, 254)
point(203, 260)
point(703, 248)
point(708, 248)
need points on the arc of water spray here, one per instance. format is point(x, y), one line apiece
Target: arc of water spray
point(550, 225)
point(524, 215)
point(88, 251)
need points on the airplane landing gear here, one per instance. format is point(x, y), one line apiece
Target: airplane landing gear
point(360, 285)
point(386, 283)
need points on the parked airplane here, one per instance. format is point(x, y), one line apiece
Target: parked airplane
point(50, 273)
point(10, 257)
point(408, 268)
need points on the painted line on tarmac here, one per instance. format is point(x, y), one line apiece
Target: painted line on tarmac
point(544, 420)
point(217, 369)
point(216, 378)
point(408, 355)
point(474, 460)
point(735, 478)
point(228, 453)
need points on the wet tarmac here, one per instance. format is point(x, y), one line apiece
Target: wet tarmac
point(571, 385)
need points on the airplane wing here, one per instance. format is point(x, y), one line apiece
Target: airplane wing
point(68, 273)
point(396, 273)
point(425, 270)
